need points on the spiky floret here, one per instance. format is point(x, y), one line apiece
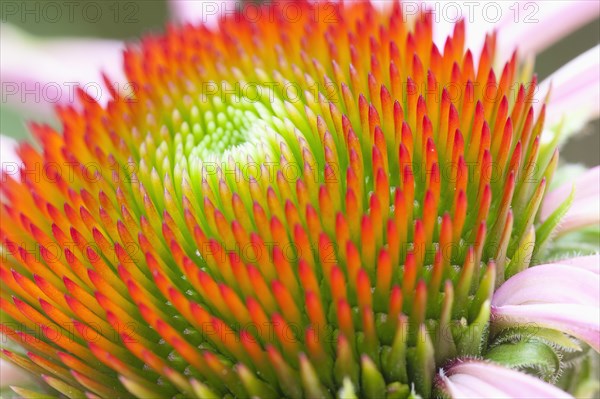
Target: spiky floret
point(282, 208)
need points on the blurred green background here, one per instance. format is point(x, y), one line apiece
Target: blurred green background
point(128, 20)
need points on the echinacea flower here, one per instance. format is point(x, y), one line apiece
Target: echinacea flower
point(329, 206)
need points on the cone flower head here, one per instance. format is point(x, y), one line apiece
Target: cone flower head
point(305, 208)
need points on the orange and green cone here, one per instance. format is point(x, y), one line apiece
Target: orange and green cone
point(277, 209)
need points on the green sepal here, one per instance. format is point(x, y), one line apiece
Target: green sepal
point(554, 338)
point(203, 391)
point(445, 348)
point(577, 243)
point(469, 337)
point(589, 388)
point(396, 390)
point(533, 356)
point(581, 375)
point(484, 292)
point(177, 379)
point(138, 389)
point(413, 394)
point(421, 363)
point(500, 256)
point(393, 358)
point(289, 380)
point(310, 381)
point(345, 366)
point(522, 257)
point(324, 368)
point(463, 287)
point(524, 222)
point(66, 389)
point(557, 339)
point(229, 377)
point(254, 386)
point(373, 384)
point(347, 390)
point(386, 329)
point(545, 231)
point(368, 347)
point(27, 393)
point(550, 158)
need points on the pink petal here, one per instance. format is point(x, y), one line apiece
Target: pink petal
point(585, 210)
point(204, 11)
point(542, 23)
point(478, 379)
point(586, 214)
point(12, 375)
point(39, 73)
point(574, 88)
point(9, 159)
point(586, 185)
point(469, 386)
point(590, 263)
point(580, 321)
point(556, 296)
point(8, 147)
point(539, 24)
point(549, 284)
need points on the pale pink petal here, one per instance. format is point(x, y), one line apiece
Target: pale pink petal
point(8, 153)
point(587, 213)
point(542, 23)
point(12, 375)
point(580, 321)
point(478, 379)
point(549, 284)
point(585, 209)
point(9, 160)
point(39, 73)
point(539, 24)
point(206, 11)
point(556, 296)
point(586, 185)
point(590, 263)
point(469, 386)
point(574, 91)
